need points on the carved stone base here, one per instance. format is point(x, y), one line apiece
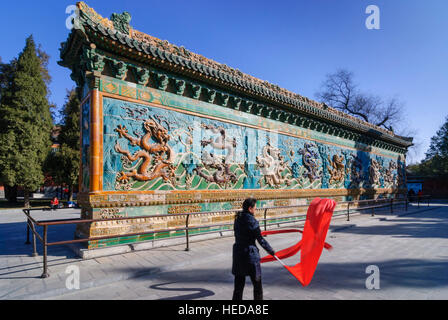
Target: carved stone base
point(164, 222)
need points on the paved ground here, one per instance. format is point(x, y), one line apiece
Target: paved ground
point(410, 250)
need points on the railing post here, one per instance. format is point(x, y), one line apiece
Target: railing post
point(418, 201)
point(33, 228)
point(373, 211)
point(406, 202)
point(428, 200)
point(30, 225)
point(45, 273)
point(391, 205)
point(265, 226)
point(35, 254)
point(187, 233)
point(348, 211)
point(28, 231)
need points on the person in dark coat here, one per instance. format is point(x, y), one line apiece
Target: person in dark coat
point(246, 256)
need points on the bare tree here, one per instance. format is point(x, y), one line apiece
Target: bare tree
point(340, 92)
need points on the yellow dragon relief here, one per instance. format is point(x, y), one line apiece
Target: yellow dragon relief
point(163, 154)
point(337, 170)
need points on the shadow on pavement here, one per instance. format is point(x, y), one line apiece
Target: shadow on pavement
point(13, 238)
point(423, 224)
point(408, 273)
point(18, 254)
point(200, 292)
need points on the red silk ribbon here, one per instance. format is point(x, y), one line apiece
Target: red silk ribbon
point(317, 222)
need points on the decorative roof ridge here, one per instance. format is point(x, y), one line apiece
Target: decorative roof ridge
point(120, 25)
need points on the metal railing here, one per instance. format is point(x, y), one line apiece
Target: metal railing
point(350, 205)
point(421, 199)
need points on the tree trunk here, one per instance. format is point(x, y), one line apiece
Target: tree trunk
point(26, 199)
point(70, 193)
point(11, 193)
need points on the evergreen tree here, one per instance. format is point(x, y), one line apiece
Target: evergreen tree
point(439, 143)
point(44, 61)
point(63, 165)
point(436, 160)
point(25, 124)
point(7, 71)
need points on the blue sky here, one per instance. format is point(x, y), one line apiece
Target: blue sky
point(293, 44)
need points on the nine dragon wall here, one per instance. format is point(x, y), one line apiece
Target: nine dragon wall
point(193, 146)
point(207, 154)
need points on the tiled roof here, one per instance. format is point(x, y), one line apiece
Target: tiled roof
point(165, 51)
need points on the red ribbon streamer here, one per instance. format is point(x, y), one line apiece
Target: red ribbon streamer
point(317, 222)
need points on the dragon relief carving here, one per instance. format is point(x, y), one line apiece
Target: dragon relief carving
point(272, 165)
point(401, 171)
point(389, 176)
point(337, 170)
point(374, 172)
point(157, 157)
point(221, 164)
point(356, 171)
point(310, 161)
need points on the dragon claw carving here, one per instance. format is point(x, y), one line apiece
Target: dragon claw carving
point(123, 177)
point(122, 131)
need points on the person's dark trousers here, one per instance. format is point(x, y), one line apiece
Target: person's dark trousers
point(240, 281)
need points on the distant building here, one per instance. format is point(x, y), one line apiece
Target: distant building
point(435, 186)
point(55, 132)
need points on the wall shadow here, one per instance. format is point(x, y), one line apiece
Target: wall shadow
point(395, 273)
point(199, 292)
point(18, 254)
point(399, 273)
point(426, 224)
point(13, 238)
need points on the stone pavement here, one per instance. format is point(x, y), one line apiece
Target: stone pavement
point(410, 250)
